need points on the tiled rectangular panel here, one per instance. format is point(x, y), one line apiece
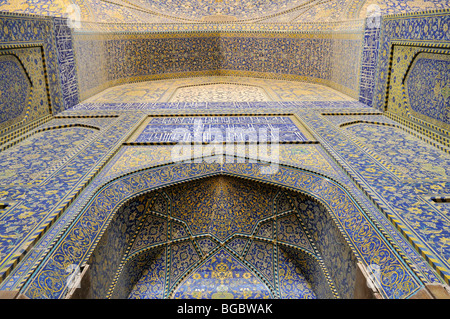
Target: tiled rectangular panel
point(66, 62)
point(234, 129)
point(369, 63)
point(325, 58)
point(30, 39)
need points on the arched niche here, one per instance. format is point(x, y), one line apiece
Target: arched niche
point(342, 233)
point(183, 242)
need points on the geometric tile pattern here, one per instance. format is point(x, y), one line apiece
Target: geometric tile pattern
point(237, 244)
point(260, 256)
point(209, 213)
point(148, 265)
point(206, 245)
point(143, 275)
point(407, 107)
point(253, 255)
point(266, 230)
point(293, 284)
point(336, 254)
point(284, 204)
point(154, 231)
point(317, 124)
point(235, 276)
point(23, 30)
point(151, 284)
point(330, 136)
point(66, 62)
point(178, 231)
point(296, 263)
point(289, 232)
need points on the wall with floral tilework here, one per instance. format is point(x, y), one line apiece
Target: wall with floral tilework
point(376, 166)
point(408, 43)
point(105, 60)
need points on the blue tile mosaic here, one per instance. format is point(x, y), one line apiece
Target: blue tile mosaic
point(367, 199)
point(224, 197)
point(151, 285)
point(237, 245)
point(430, 27)
point(220, 129)
point(293, 284)
point(66, 62)
point(369, 62)
point(131, 57)
point(245, 169)
point(222, 276)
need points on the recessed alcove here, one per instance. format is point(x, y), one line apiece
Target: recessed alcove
point(222, 237)
point(84, 198)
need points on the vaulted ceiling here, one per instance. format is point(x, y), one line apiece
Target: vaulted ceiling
point(191, 11)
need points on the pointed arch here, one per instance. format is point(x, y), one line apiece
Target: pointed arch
point(80, 239)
